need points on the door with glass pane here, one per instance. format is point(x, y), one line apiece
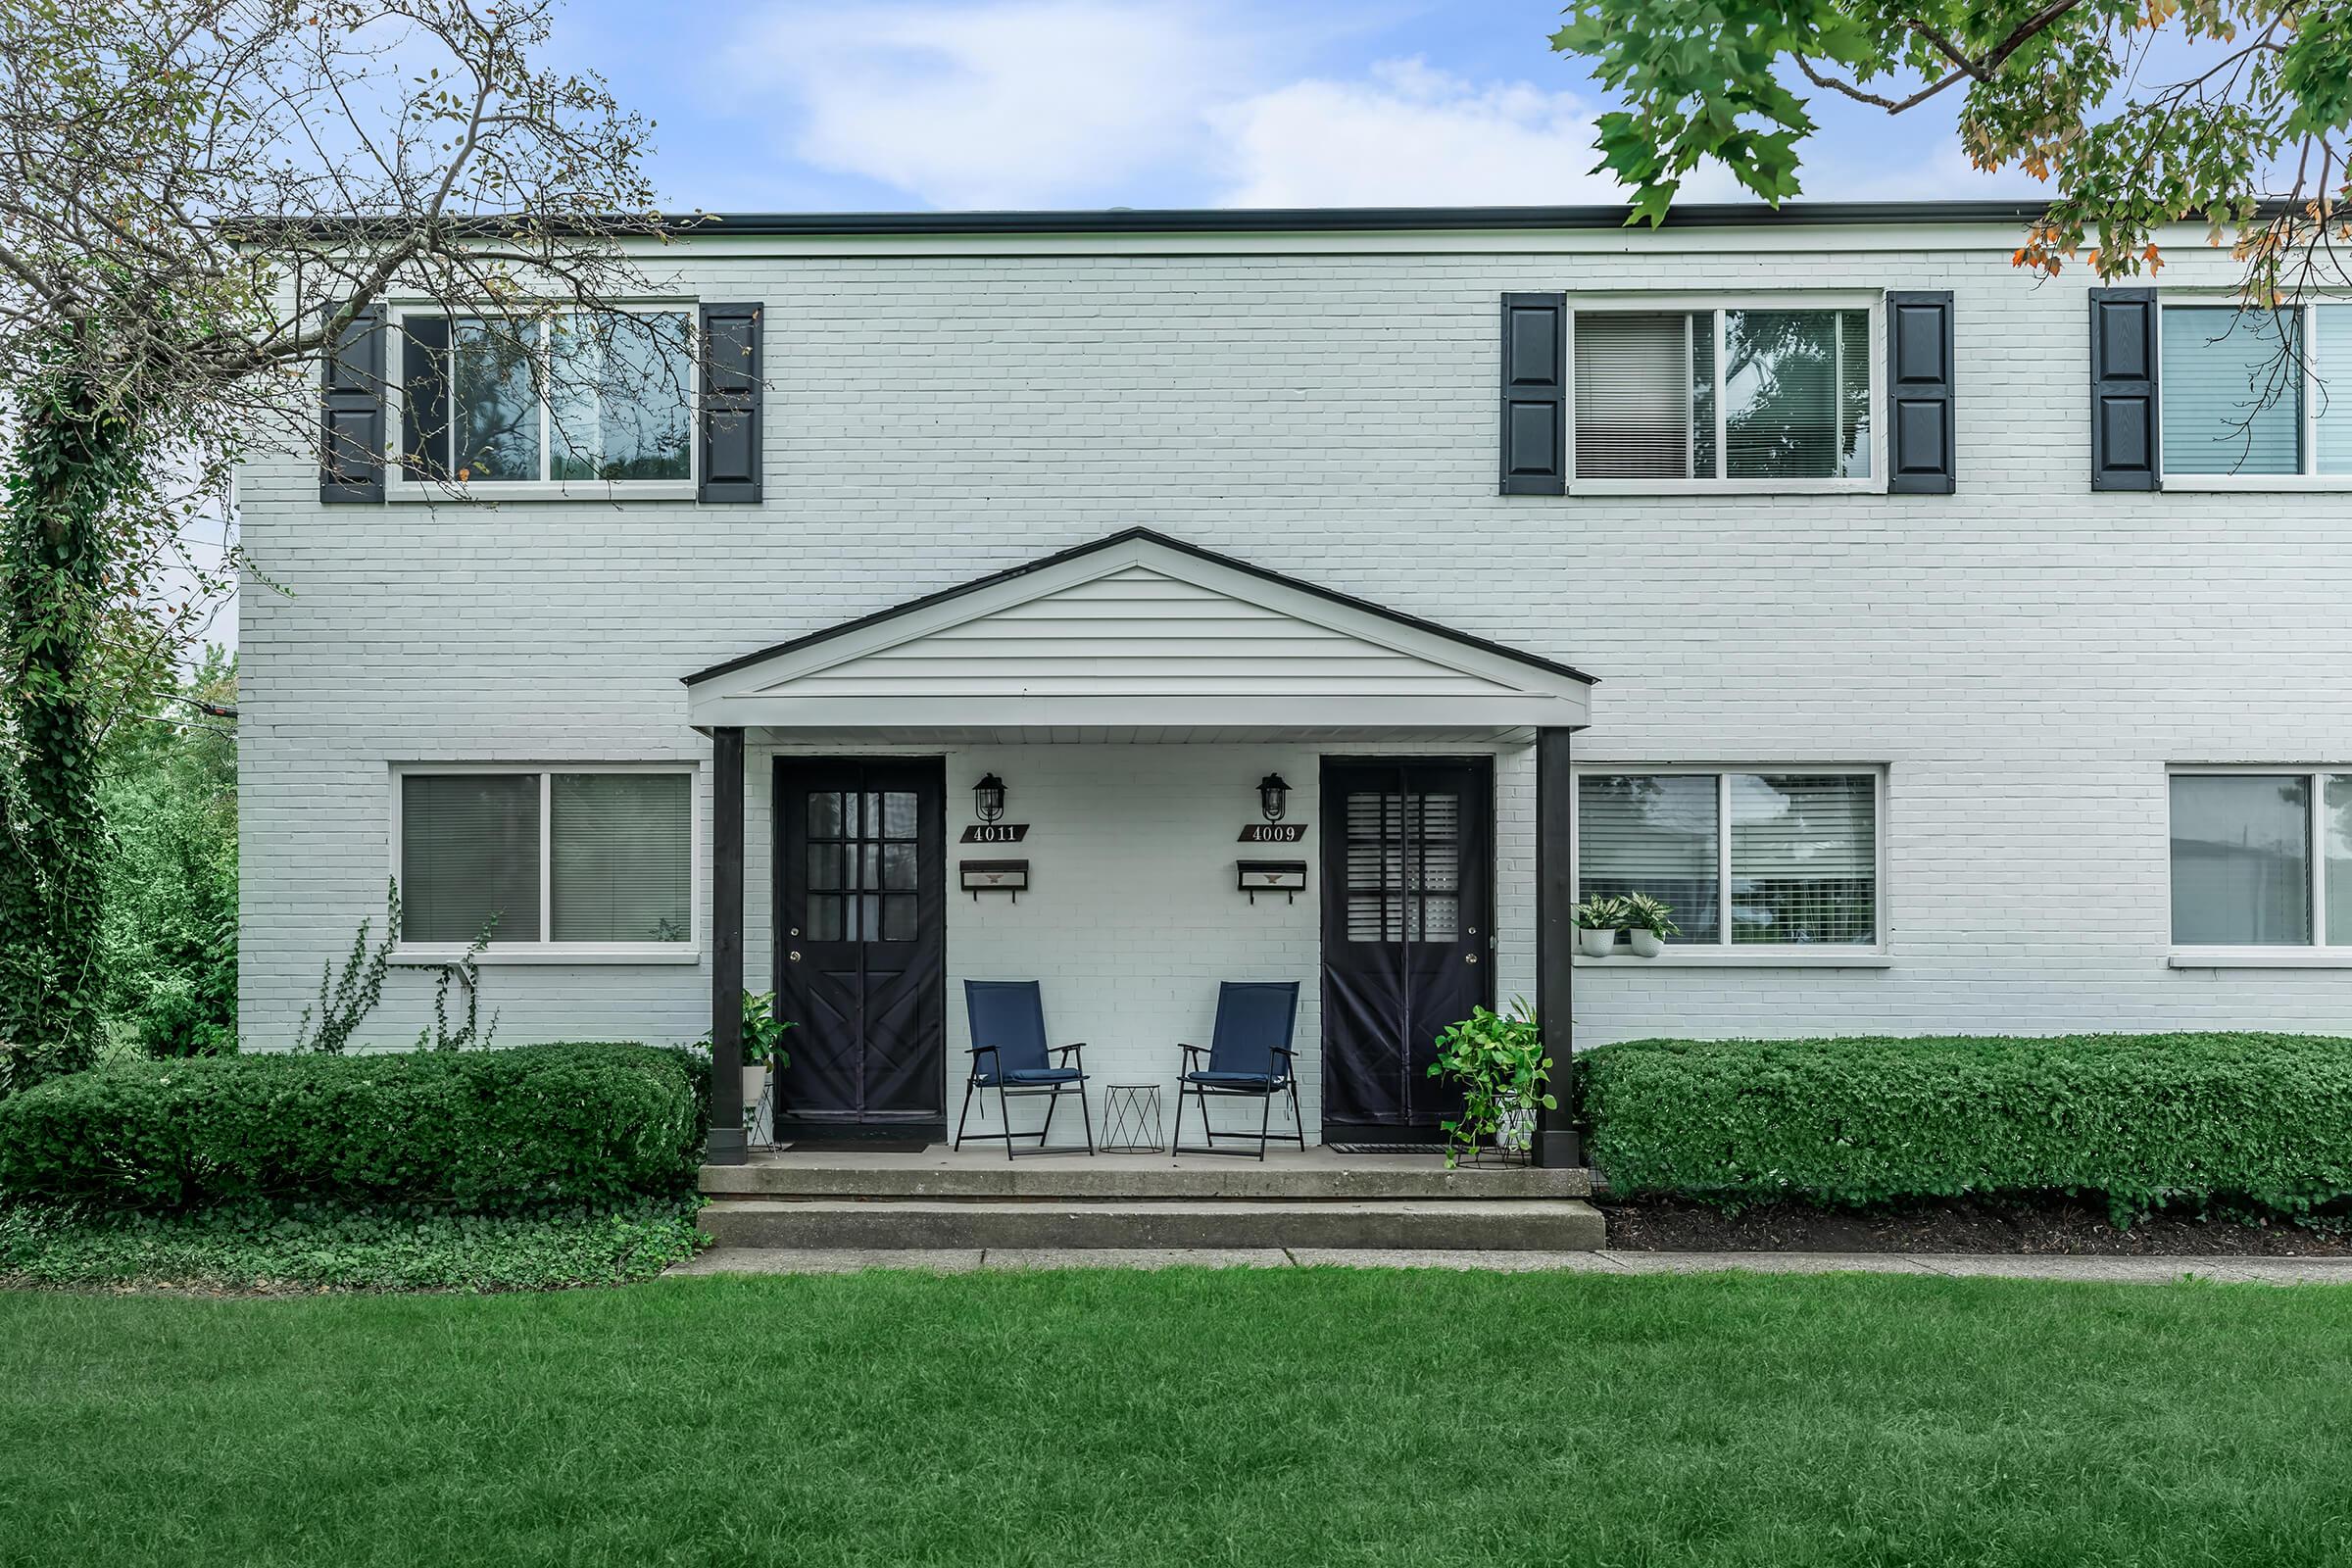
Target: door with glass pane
point(861, 947)
point(1408, 932)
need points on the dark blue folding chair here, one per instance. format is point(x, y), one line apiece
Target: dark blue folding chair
point(1248, 1056)
point(1009, 1054)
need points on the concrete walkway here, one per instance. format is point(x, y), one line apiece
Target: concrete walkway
point(2138, 1270)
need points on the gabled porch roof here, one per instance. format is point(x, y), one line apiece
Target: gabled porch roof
point(1139, 636)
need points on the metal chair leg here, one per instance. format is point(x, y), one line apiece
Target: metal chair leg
point(1265, 1123)
point(966, 1111)
point(1005, 1109)
point(1086, 1120)
point(1045, 1133)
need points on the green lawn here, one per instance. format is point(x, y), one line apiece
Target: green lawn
point(1279, 1418)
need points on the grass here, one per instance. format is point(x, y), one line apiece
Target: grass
point(321, 1246)
point(1284, 1417)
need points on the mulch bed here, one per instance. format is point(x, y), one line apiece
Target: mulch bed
point(1672, 1225)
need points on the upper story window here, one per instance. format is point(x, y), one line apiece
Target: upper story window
point(2262, 858)
point(1777, 398)
point(2247, 393)
point(569, 398)
point(1775, 857)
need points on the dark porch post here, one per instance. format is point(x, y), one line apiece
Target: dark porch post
point(1556, 1143)
point(726, 1144)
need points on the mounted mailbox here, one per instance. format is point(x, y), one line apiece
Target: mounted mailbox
point(993, 876)
point(1286, 877)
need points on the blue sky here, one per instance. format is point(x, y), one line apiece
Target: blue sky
point(781, 105)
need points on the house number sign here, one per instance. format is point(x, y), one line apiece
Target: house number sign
point(996, 833)
point(1272, 833)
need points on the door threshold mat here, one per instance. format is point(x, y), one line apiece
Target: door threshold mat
point(1423, 1150)
point(850, 1145)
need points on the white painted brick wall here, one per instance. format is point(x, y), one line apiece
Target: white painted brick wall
point(2025, 655)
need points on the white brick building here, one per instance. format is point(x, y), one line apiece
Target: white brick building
point(2011, 679)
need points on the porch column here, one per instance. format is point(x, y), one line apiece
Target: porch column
point(726, 1143)
point(1557, 1141)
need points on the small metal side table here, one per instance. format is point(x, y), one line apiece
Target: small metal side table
point(1131, 1120)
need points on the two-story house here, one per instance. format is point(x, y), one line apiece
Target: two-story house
point(1133, 601)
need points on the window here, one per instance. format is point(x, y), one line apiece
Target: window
point(2247, 393)
point(1757, 397)
point(570, 860)
point(499, 400)
point(2262, 859)
point(1785, 858)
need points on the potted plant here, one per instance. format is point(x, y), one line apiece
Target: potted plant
point(1598, 923)
point(1499, 1063)
point(762, 1046)
point(1648, 923)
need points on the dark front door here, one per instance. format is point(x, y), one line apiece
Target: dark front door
point(860, 939)
point(1408, 932)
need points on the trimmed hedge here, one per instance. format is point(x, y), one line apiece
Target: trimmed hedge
point(505, 1131)
point(2143, 1119)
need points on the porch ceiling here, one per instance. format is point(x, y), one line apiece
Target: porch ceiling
point(1138, 638)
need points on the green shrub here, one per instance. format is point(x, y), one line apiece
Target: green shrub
point(2143, 1119)
point(275, 1246)
point(475, 1132)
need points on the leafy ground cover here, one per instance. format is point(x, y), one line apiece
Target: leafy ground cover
point(277, 1248)
point(1186, 1417)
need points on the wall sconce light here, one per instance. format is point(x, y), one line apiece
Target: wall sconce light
point(1273, 797)
point(987, 798)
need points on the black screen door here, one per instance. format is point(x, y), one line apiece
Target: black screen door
point(1408, 932)
point(860, 939)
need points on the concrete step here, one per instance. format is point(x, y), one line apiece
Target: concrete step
point(1113, 1177)
point(1420, 1224)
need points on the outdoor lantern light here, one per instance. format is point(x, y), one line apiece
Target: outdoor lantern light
point(1273, 797)
point(987, 798)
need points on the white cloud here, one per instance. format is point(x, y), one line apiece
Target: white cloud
point(1012, 103)
point(1070, 103)
point(1409, 135)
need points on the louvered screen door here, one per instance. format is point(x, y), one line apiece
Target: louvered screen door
point(1408, 932)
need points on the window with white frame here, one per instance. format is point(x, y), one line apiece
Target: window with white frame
point(2262, 858)
point(2256, 394)
point(569, 397)
point(557, 857)
point(1775, 857)
point(1730, 394)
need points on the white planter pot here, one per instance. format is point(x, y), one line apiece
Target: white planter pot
point(1596, 944)
point(1646, 944)
point(1515, 1126)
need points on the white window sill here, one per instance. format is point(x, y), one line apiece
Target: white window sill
point(2258, 481)
point(2298, 958)
point(1746, 958)
point(1726, 487)
point(437, 954)
point(412, 493)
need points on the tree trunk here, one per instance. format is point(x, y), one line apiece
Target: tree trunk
point(69, 460)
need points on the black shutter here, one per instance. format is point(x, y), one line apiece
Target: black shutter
point(2124, 451)
point(730, 411)
point(351, 461)
point(1535, 395)
point(1919, 393)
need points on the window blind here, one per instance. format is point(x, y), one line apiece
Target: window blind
point(468, 850)
point(1633, 396)
point(1796, 394)
point(1805, 858)
point(1653, 834)
point(2241, 856)
point(621, 856)
point(2220, 366)
point(2331, 358)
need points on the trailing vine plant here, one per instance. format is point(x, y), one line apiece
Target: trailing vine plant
point(1499, 1063)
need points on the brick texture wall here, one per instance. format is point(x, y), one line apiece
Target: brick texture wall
point(2023, 657)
